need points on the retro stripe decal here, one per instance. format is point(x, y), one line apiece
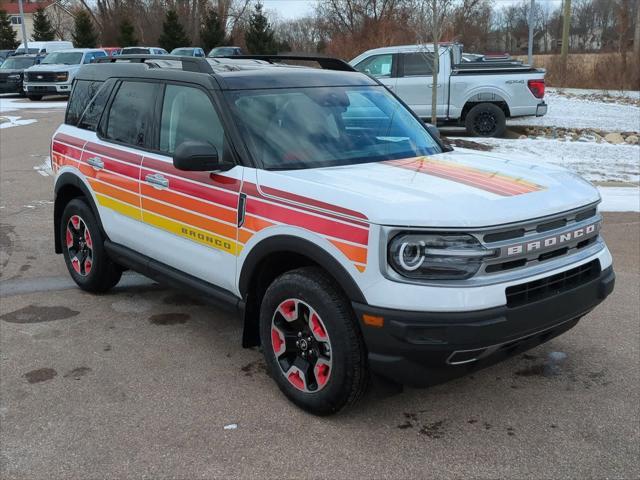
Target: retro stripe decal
point(202, 207)
point(489, 181)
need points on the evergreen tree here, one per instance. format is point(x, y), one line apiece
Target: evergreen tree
point(127, 36)
point(173, 35)
point(259, 37)
point(211, 30)
point(8, 39)
point(84, 34)
point(42, 28)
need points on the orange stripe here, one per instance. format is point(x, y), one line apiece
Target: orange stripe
point(127, 197)
point(356, 254)
point(361, 268)
point(190, 203)
point(256, 224)
point(244, 235)
point(189, 218)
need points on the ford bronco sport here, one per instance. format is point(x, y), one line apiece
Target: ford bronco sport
point(318, 206)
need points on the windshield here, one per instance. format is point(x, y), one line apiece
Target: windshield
point(134, 51)
point(223, 51)
point(22, 51)
point(326, 126)
point(182, 51)
point(63, 58)
point(17, 63)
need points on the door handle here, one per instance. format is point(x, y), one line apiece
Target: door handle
point(430, 85)
point(96, 163)
point(157, 181)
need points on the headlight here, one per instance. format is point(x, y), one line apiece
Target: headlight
point(62, 76)
point(436, 256)
point(15, 76)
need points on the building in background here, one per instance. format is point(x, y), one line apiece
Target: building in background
point(57, 11)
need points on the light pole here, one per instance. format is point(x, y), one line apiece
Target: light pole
point(530, 52)
point(25, 42)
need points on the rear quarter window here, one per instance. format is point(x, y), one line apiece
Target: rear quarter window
point(82, 93)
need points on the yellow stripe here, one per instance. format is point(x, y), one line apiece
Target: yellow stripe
point(191, 233)
point(120, 207)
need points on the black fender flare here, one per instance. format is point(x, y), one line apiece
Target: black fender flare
point(290, 243)
point(65, 180)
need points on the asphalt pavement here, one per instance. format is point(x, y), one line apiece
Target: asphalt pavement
point(148, 382)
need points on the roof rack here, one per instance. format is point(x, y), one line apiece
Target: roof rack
point(326, 63)
point(189, 64)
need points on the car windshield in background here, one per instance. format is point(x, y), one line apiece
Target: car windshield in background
point(62, 58)
point(318, 127)
point(224, 52)
point(22, 51)
point(182, 51)
point(135, 51)
point(13, 63)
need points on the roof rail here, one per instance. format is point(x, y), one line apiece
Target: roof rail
point(189, 64)
point(326, 63)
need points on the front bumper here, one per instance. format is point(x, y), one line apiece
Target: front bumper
point(541, 109)
point(423, 348)
point(47, 88)
point(11, 87)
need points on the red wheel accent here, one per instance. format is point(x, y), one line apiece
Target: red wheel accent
point(288, 310)
point(277, 341)
point(69, 237)
point(75, 221)
point(322, 373)
point(317, 327)
point(87, 266)
point(75, 263)
point(296, 380)
point(87, 238)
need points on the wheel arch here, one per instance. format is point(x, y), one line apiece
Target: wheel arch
point(494, 95)
point(70, 186)
point(274, 256)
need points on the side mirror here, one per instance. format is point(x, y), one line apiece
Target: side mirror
point(195, 156)
point(433, 130)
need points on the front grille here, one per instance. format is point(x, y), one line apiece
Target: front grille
point(3, 77)
point(41, 76)
point(518, 295)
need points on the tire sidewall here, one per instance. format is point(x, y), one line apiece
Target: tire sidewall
point(294, 285)
point(494, 110)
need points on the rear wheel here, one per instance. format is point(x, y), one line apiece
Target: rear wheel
point(35, 98)
point(311, 342)
point(83, 249)
point(486, 120)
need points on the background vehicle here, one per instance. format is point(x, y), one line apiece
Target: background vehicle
point(12, 72)
point(225, 52)
point(346, 236)
point(188, 51)
point(112, 51)
point(55, 73)
point(480, 95)
point(5, 53)
point(42, 48)
point(143, 51)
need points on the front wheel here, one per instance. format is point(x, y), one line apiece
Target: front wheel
point(35, 98)
point(486, 120)
point(83, 249)
point(312, 343)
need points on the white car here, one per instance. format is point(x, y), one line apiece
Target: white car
point(478, 95)
point(42, 48)
point(55, 73)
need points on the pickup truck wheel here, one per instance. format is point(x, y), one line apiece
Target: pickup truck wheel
point(34, 98)
point(486, 120)
point(311, 342)
point(83, 249)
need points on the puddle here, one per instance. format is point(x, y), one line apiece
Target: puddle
point(36, 314)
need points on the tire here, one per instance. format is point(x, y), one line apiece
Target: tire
point(486, 120)
point(34, 98)
point(333, 354)
point(83, 249)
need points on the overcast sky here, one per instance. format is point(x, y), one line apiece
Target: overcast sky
point(300, 8)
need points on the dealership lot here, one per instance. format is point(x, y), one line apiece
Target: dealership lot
point(146, 381)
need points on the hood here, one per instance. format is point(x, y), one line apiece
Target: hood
point(53, 67)
point(463, 188)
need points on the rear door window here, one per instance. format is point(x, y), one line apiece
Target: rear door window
point(83, 92)
point(131, 116)
point(417, 64)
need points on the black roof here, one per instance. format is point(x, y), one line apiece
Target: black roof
point(230, 73)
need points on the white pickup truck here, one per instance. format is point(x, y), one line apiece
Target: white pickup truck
point(479, 95)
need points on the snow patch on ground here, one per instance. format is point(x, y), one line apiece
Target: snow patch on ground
point(14, 121)
point(582, 113)
point(620, 199)
point(13, 104)
point(597, 162)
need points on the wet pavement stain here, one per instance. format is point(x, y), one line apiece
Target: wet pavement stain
point(433, 430)
point(106, 348)
point(40, 375)
point(405, 425)
point(25, 268)
point(251, 368)
point(6, 243)
point(37, 314)
point(510, 431)
point(169, 318)
point(181, 299)
point(77, 373)
point(531, 371)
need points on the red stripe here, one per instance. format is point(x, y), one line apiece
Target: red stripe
point(77, 142)
point(199, 191)
point(118, 154)
point(66, 150)
point(208, 178)
point(314, 223)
